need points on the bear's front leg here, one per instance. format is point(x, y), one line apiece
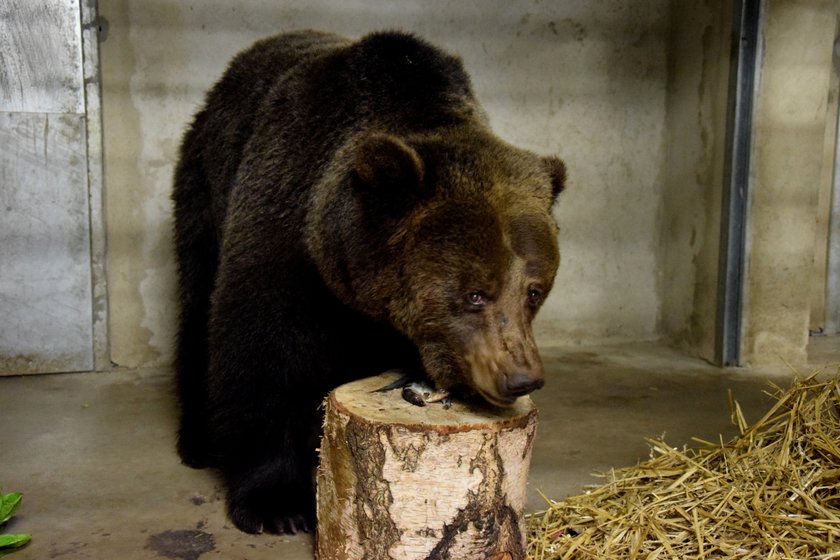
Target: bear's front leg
point(264, 391)
point(274, 493)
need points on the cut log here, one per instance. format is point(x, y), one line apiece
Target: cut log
point(405, 482)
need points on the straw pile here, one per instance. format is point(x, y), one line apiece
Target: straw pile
point(773, 492)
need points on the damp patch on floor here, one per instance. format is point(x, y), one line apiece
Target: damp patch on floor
point(181, 545)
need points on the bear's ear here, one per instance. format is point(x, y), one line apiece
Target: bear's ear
point(386, 165)
point(557, 173)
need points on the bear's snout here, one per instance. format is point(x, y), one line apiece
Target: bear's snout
point(519, 384)
point(498, 375)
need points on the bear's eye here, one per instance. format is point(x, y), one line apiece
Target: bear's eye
point(477, 298)
point(534, 297)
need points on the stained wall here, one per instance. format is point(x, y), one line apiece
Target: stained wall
point(633, 95)
point(699, 52)
point(580, 79)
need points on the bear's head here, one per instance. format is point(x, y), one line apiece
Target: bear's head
point(450, 238)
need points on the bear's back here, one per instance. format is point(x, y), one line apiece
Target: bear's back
point(391, 80)
point(301, 96)
point(221, 130)
point(403, 84)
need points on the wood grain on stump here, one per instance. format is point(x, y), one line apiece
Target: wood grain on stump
point(403, 482)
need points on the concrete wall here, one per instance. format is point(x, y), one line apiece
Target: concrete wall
point(789, 131)
point(585, 80)
point(633, 95)
point(789, 190)
point(698, 76)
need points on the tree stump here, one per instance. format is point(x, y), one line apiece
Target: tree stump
point(398, 481)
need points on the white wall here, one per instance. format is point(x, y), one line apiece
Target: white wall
point(585, 80)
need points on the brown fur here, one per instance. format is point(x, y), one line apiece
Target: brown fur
point(342, 208)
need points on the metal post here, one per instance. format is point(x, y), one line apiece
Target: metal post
point(745, 26)
point(832, 281)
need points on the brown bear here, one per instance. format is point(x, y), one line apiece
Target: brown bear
point(342, 208)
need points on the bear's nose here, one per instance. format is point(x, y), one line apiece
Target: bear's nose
point(519, 384)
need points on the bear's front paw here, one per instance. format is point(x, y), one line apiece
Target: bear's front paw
point(264, 498)
point(260, 520)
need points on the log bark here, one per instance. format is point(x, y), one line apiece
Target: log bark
point(405, 482)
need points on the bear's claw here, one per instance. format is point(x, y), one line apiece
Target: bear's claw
point(262, 522)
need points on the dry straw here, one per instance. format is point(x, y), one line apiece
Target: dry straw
point(773, 492)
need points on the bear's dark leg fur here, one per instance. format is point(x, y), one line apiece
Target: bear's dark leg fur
point(266, 379)
point(197, 250)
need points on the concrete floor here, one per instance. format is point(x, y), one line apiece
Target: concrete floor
point(94, 454)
